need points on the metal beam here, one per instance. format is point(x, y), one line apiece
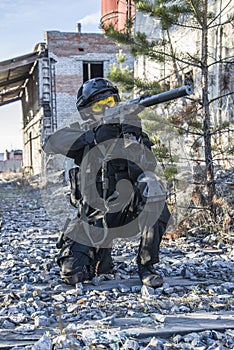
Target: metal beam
point(15, 80)
point(19, 62)
point(2, 103)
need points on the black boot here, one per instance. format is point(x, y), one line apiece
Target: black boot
point(103, 261)
point(148, 276)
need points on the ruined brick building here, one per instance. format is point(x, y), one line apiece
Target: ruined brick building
point(46, 81)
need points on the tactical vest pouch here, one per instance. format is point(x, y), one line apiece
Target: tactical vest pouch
point(75, 195)
point(120, 175)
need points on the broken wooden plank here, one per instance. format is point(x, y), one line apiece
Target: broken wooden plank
point(176, 324)
point(135, 282)
point(139, 328)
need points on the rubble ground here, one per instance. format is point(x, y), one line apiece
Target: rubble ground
point(194, 309)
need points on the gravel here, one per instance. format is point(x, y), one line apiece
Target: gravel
point(198, 271)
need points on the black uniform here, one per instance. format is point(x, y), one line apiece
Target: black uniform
point(107, 154)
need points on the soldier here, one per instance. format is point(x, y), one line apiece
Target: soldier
point(113, 186)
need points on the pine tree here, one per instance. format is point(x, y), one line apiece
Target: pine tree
point(201, 17)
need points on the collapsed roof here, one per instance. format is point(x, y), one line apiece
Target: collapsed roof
point(14, 74)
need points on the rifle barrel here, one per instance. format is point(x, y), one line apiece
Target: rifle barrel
point(166, 96)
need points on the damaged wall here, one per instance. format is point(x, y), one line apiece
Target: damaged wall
point(49, 96)
point(78, 56)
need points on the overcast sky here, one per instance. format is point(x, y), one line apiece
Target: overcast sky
point(22, 26)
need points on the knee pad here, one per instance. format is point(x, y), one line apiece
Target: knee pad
point(76, 262)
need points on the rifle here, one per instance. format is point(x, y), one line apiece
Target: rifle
point(166, 96)
point(136, 105)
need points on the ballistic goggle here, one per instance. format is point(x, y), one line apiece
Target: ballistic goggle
point(98, 106)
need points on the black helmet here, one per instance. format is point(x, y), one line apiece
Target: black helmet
point(93, 87)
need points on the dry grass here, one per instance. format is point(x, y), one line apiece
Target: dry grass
point(10, 176)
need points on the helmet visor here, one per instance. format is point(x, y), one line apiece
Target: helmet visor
point(99, 106)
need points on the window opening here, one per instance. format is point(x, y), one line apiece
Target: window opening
point(92, 70)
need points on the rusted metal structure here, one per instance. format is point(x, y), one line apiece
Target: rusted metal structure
point(117, 13)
